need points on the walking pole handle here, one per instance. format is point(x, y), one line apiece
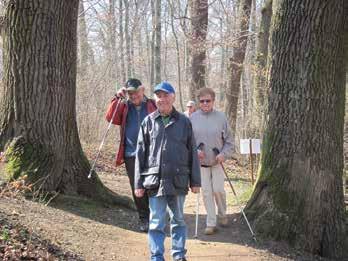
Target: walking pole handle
point(103, 139)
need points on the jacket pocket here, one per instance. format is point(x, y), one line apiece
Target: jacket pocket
point(181, 178)
point(151, 181)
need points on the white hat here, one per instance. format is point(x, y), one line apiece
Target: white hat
point(190, 104)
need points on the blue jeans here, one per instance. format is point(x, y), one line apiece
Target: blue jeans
point(158, 209)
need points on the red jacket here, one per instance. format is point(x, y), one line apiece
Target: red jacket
point(120, 119)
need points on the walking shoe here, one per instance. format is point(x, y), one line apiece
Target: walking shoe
point(223, 221)
point(143, 225)
point(181, 259)
point(209, 230)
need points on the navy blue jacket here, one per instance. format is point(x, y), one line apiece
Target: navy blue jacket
point(166, 157)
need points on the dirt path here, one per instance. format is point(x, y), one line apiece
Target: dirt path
point(100, 233)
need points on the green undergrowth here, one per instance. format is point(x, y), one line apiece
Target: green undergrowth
point(243, 189)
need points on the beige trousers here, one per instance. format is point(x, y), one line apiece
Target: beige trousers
point(213, 193)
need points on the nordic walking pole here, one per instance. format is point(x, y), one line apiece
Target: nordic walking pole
point(216, 151)
point(105, 134)
point(197, 214)
point(199, 147)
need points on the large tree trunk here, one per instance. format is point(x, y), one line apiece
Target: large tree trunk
point(298, 196)
point(199, 23)
point(37, 109)
point(261, 67)
point(235, 66)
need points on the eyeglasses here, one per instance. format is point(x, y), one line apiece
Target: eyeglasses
point(205, 101)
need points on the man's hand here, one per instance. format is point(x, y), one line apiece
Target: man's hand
point(121, 93)
point(139, 192)
point(201, 155)
point(195, 189)
point(220, 158)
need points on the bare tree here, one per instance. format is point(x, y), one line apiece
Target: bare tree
point(121, 44)
point(260, 96)
point(177, 49)
point(152, 43)
point(112, 50)
point(199, 24)
point(128, 40)
point(158, 38)
point(235, 66)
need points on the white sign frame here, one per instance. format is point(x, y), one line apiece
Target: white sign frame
point(245, 146)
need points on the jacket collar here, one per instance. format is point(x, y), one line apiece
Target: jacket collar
point(173, 115)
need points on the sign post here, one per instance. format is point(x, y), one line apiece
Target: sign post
point(251, 147)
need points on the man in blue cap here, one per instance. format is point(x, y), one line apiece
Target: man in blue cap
point(166, 167)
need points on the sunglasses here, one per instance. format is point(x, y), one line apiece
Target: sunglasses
point(205, 101)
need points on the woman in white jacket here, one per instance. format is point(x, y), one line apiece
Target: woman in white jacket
point(212, 131)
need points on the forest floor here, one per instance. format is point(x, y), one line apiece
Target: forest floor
point(73, 228)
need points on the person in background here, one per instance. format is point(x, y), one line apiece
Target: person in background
point(166, 166)
point(129, 115)
point(212, 131)
point(190, 108)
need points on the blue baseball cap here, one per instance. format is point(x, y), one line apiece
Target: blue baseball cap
point(164, 86)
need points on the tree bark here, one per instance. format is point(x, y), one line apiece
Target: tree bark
point(121, 44)
point(112, 43)
point(199, 23)
point(298, 196)
point(235, 66)
point(83, 39)
point(223, 48)
point(128, 40)
point(158, 38)
point(37, 111)
point(177, 49)
point(261, 67)
point(152, 43)
point(345, 146)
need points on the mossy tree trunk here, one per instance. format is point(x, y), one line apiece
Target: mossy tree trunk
point(37, 108)
point(298, 196)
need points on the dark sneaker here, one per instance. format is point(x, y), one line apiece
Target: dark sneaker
point(181, 259)
point(143, 225)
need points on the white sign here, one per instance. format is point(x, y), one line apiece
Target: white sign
point(256, 146)
point(245, 146)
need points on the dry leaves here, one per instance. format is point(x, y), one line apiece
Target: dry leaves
point(17, 243)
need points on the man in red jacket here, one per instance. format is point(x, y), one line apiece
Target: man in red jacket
point(129, 115)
